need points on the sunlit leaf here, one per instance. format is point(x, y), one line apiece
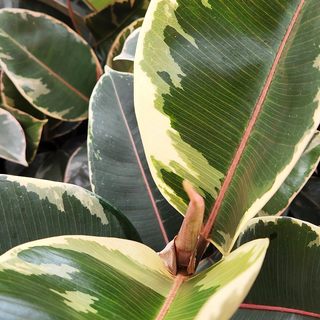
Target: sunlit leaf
point(104, 278)
point(227, 96)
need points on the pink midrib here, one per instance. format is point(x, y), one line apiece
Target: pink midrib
point(214, 212)
point(176, 285)
point(163, 231)
point(48, 69)
point(278, 309)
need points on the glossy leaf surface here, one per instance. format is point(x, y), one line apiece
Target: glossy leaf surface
point(12, 139)
point(26, 39)
point(32, 209)
point(118, 168)
point(296, 180)
point(290, 274)
point(106, 278)
point(227, 96)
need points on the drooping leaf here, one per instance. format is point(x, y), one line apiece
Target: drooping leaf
point(125, 46)
point(104, 278)
point(34, 51)
point(297, 178)
point(117, 164)
point(12, 139)
point(32, 209)
point(306, 206)
point(289, 276)
point(222, 99)
point(53, 168)
point(77, 171)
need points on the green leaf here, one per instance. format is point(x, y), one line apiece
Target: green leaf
point(290, 275)
point(97, 5)
point(32, 209)
point(107, 23)
point(118, 169)
point(53, 168)
point(77, 171)
point(34, 55)
point(306, 206)
point(121, 54)
point(63, 127)
point(11, 97)
point(62, 6)
point(297, 178)
point(222, 99)
point(12, 139)
point(104, 278)
point(31, 126)
point(264, 313)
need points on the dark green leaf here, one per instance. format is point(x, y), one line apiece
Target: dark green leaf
point(117, 163)
point(32, 209)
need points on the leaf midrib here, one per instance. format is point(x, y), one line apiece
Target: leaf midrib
point(224, 188)
point(46, 68)
point(154, 205)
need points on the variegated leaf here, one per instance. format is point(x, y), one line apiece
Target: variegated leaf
point(11, 97)
point(289, 277)
point(296, 180)
point(129, 48)
point(122, 49)
point(106, 24)
point(97, 5)
point(78, 277)
point(117, 164)
point(34, 51)
point(227, 96)
point(32, 209)
point(12, 139)
point(31, 126)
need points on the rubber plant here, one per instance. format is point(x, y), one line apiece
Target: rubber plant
point(226, 96)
